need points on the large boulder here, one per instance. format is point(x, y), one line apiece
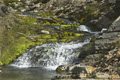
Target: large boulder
point(74, 69)
point(86, 50)
point(107, 16)
point(115, 25)
point(110, 39)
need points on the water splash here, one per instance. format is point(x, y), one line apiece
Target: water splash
point(83, 28)
point(49, 56)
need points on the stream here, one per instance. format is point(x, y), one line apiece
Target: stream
point(40, 62)
point(37, 73)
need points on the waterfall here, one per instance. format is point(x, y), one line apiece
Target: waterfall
point(49, 56)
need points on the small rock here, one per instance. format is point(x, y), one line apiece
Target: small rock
point(45, 32)
point(103, 30)
point(0, 69)
point(102, 75)
point(83, 75)
point(90, 69)
point(23, 10)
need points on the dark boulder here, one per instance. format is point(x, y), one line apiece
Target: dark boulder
point(115, 25)
point(86, 50)
point(110, 39)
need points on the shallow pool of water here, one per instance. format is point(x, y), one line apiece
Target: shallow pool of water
point(13, 73)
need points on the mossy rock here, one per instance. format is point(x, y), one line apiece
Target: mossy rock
point(69, 27)
point(62, 69)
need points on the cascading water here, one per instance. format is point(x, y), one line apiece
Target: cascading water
point(86, 29)
point(50, 56)
point(83, 28)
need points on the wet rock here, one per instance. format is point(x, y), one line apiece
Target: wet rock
point(74, 69)
point(62, 68)
point(77, 71)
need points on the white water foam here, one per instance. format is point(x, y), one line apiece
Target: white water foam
point(49, 56)
point(83, 28)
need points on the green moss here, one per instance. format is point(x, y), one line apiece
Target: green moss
point(27, 20)
point(1, 63)
point(14, 49)
point(56, 21)
point(77, 34)
point(9, 1)
point(67, 39)
point(14, 42)
point(82, 20)
point(44, 36)
point(69, 27)
point(20, 7)
point(46, 23)
point(52, 40)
